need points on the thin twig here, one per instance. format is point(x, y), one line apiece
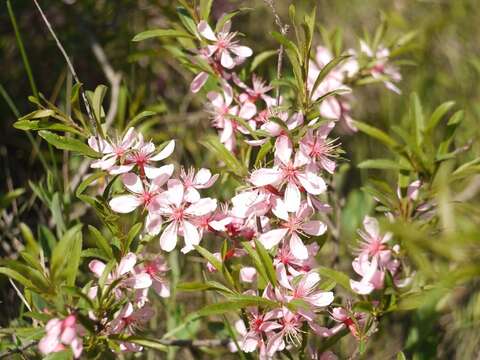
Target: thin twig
point(196, 343)
point(283, 30)
point(70, 66)
point(17, 350)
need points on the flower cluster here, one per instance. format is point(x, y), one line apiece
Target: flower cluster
point(375, 258)
point(152, 188)
point(129, 281)
point(280, 208)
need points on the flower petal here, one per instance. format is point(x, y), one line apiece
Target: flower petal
point(125, 203)
point(133, 183)
point(265, 176)
point(314, 227)
point(198, 82)
point(272, 237)
point(168, 239)
point(206, 31)
point(166, 152)
point(298, 248)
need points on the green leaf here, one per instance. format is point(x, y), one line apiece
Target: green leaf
point(257, 262)
point(143, 341)
point(95, 253)
point(416, 118)
point(339, 277)
point(86, 183)
point(70, 144)
point(384, 164)
point(14, 275)
point(263, 152)
point(261, 57)
point(36, 125)
point(74, 256)
point(101, 242)
point(205, 8)
point(267, 262)
point(376, 133)
point(452, 126)
point(232, 163)
point(437, 115)
point(64, 253)
point(327, 69)
point(140, 117)
point(231, 306)
point(31, 244)
point(199, 286)
point(133, 232)
point(148, 34)
point(217, 264)
point(187, 20)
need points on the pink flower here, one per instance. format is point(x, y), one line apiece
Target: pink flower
point(293, 225)
point(294, 174)
point(345, 319)
point(144, 158)
point(180, 215)
point(318, 148)
point(372, 276)
point(381, 68)
point(130, 320)
point(258, 91)
point(61, 333)
point(123, 270)
point(291, 330)
point(294, 266)
point(112, 151)
point(147, 196)
point(203, 179)
point(374, 243)
point(156, 269)
point(223, 112)
point(259, 325)
point(224, 47)
point(305, 289)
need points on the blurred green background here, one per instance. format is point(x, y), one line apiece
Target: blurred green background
point(445, 58)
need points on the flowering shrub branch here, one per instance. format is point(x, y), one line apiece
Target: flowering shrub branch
point(266, 266)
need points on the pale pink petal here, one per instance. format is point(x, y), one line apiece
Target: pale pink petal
point(160, 176)
point(190, 235)
point(321, 298)
point(314, 227)
point(292, 197)
point(206, 31)
point(77, 347)
point(272, 237)
point(371, 226)
point(198, 82)
point(121, 169)
point(282, 276)
point(226, 60)
point(168, 239)
point(265, 176)
point(280, 209)
point(139, 281)
point(125, 203)
point(298, 248)
point(96, 267)
point(248, 110)
point(127, 264)
point(361, 287)
point(133, 183)
point(48, 344)
point(275, 343)
point(202, 207)
point(192, 195)
point(68, 335)
point(166, 151)
point(249, 343)
point(242, 51)
point(312, 183)
point(283, 149)
point(175, 191)
point(248, 274)
point(153, 224)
